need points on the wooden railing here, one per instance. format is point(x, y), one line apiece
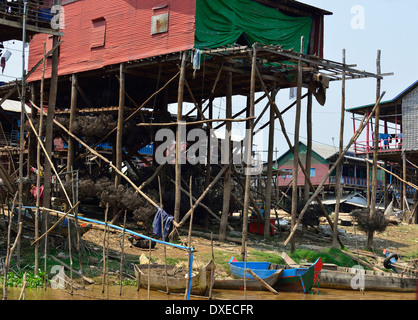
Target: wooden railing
point(38, 12)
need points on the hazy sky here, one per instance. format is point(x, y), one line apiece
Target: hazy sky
point(361, 27)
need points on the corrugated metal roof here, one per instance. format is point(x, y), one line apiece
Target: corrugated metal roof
point(397, 98)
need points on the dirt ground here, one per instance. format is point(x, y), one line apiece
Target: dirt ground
point(401, 239)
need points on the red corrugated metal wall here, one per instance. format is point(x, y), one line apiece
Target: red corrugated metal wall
point(127, 33)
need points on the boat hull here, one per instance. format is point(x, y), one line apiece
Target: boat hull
point(373, 281)
point(177, 283)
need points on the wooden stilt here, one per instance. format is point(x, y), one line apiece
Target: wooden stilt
point(178, 138)
point(375, 156)
point(49, 124)
point(227, 151)
point(248, 151)
point(296, 147)
point(269, 171)
point(73, 107)
point(363, 123)
point(338, 188)
point(120, 123)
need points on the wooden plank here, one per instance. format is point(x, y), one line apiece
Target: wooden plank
point(265, 284)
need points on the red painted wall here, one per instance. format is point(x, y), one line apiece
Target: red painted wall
point(127, 35)
point(320, 171)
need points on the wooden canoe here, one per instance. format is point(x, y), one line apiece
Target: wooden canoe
point(340, 278)
point(177, 280)
point(291, 279)
point(251, 285)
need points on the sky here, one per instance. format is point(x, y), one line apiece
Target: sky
point(361, 27)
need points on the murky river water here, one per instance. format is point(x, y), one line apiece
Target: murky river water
point(94, 292)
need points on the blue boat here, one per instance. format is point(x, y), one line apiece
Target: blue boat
point(292, 279)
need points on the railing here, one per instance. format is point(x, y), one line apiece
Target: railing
point(10, 139)
point(387, 143)
point(352, 181)
point(38, 12)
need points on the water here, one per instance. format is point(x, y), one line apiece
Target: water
point(94, 292)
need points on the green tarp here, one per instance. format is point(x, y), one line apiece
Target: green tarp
point(222, 22)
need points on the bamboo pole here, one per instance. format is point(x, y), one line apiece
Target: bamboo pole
point(104, 248)
point(375, 156)
point(189, 240)
point(296, 146)
point(159, 124)
point(55, 224)
point(8, 250)
point(70, 255)
point(163, 236)
point(307, 177)
point(338, 187)
point(341, 156)
point(198, 200)
point(121, 254)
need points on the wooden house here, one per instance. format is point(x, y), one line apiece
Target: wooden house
point(353, 170)
point(397, 140)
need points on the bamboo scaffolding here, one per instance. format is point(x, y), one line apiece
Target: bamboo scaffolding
point(341, 156)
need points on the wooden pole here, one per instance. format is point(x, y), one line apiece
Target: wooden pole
point(9, 251)
point(179, 224)
point(120, 123)
point(363, 123)
point(38, 166)
point(227, 152)
point(163, 236)
point(104, 248)
point(177, 199)
point(105, 160)
point(338, 188)
point(375, 156)
point(248, 151)
point(73, 107)
point(307, 177)
point(308, 160)
point(296, 147)
point(269, 170)
point(189, 240)
point(49, 124)
point(121, 254)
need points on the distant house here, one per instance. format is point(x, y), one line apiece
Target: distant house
point(353, 171)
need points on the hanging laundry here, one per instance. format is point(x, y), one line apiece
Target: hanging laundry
point(167, 223)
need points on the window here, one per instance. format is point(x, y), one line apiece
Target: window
point(98, 33)
point(312, 172)
point(159, 19)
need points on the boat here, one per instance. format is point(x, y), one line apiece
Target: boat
point(177, 278)
point(341, 278)
point(251, 284)
point(291, 279)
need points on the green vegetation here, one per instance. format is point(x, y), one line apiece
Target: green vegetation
point(32, 280)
